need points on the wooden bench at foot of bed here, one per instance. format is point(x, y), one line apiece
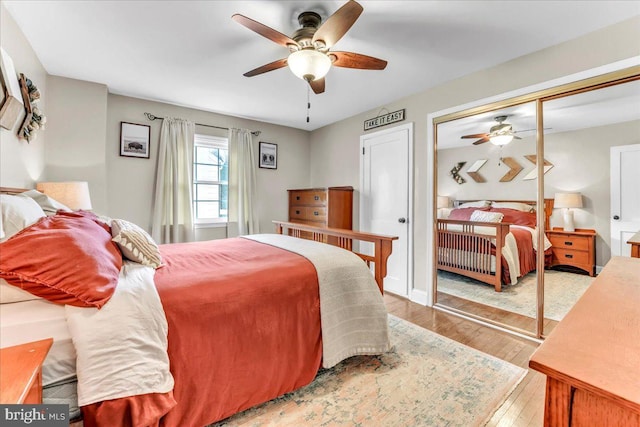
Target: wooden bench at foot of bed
point(382, 244)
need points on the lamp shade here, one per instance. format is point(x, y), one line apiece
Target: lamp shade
point(443, 202)
point(567, 200)
point(74, 195)
point(309, 64)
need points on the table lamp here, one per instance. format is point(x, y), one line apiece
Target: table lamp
point(74, 194)
point(443, 202)
point(567, 201)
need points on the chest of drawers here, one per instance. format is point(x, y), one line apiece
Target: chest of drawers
point(322, 207)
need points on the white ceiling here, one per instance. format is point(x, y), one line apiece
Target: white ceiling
point(613, 104)
point(191, 53)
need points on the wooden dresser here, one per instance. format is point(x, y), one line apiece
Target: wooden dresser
point(574, 248)
point(21, 372)
point(592, 357)
point(322, 207)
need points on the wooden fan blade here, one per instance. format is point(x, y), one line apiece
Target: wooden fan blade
point(357, 60)
point(338, 24)
point(516, 137)
point(267, 67)
point(481, 141)
point(263, 30)
point(477, 135)
point(317, 86)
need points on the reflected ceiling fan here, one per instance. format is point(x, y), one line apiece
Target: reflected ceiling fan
point(500, 134)
point(309, 57)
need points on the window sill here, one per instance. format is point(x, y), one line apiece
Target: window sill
point(211, 225)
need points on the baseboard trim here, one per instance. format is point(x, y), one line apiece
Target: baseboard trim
point(419, 297)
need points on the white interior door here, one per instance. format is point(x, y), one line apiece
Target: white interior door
point(385, 205)
point(625, 197)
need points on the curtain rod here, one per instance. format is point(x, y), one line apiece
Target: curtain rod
point(152, 118)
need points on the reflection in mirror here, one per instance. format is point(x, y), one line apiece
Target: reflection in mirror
point(580, 132)
point(486, 209)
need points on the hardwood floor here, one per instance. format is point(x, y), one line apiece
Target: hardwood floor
point(525, 406)
point(507, 317)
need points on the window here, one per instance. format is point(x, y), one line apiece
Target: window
point(210, 179)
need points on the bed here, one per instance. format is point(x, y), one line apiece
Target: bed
point(494, 242)
point(215, 328)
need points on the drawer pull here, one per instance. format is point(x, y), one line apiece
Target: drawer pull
point(569, 256)
point(568, 243)
point(316, 197)
point(297, 197)
point(316, 213)
point(297, 212)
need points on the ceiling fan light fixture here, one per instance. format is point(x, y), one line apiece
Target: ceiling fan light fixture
point(309, 64)
point(503, 139)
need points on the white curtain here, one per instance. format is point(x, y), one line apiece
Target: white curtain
point(243, 209)
point(173, 203)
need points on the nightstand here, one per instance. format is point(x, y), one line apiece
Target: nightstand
point(574, 248)
point(21, 372)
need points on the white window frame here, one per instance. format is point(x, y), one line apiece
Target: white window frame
point(212, 142)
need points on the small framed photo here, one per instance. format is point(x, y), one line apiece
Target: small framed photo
point(134, 140)
point(268, 155)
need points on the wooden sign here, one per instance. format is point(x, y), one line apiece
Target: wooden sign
point(385, 119)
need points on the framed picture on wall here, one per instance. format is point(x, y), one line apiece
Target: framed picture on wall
point(134, 140)
point(268, 155)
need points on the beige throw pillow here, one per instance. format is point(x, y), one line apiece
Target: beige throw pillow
point(135, 243)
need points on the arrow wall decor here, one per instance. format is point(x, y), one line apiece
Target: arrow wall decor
point(474, 168)
point(456, 176)
point(534, 173)
point(514, 169)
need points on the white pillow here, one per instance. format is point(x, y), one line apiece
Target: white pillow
point(48, 205)
point(478, 204)
point(18, 213)
point(10, 293)
point(135, 243)
point(523, 207)
point(484, 216)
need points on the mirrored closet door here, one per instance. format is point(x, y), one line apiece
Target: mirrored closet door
point(580, 131)
point(563, 161)
point(487, 190)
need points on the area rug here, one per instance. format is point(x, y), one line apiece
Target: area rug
point(561, 291)
point(425, 380)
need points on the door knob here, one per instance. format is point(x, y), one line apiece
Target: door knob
point(402, 220)
point(616, 217)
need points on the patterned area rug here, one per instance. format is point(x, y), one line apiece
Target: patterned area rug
point(425, 380)
point(561, 291)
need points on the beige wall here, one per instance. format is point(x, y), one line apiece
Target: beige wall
point(76, 136)
point(334, 148)
point(577, 157)
point(131, 180)
point(22, 163)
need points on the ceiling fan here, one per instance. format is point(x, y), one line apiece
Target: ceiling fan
point(500, 134)
point(309, 57)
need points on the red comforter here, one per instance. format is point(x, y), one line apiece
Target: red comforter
point(244, 328)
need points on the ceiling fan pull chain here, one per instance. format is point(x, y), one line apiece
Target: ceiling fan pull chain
point(308, 102)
